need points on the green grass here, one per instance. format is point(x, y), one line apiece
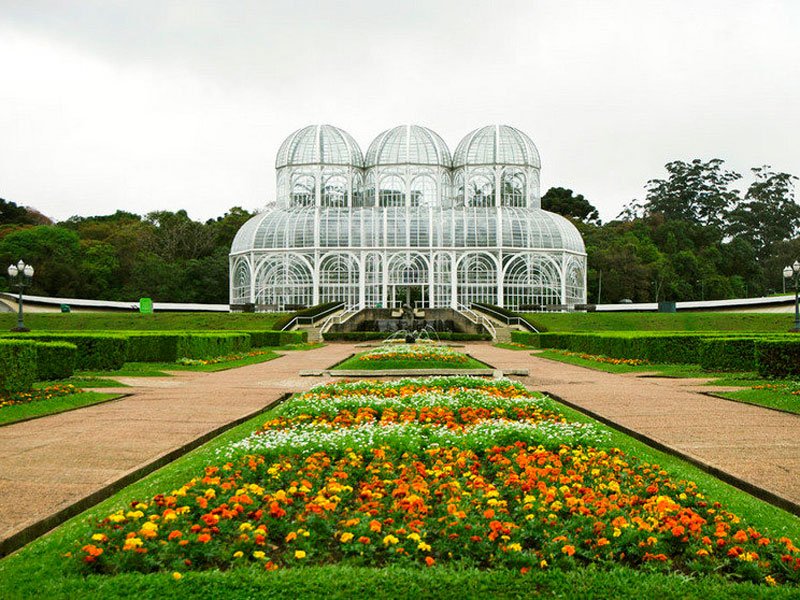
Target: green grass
point(41, 408)
point(680, 321)
point(162, 321)
point(779, 397)
point(512, 346)
point(354, 364)
point(40, 569)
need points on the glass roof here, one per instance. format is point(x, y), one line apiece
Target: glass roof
point(408, 144)
point(496, 145)
point(319, 145)
point(523, 228)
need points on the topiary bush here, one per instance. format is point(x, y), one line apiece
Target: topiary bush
point(17, 365)
point(55, 360)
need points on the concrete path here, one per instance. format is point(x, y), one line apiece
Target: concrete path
point(749, 443)
point(53, 467)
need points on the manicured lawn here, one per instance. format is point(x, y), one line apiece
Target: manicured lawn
point(41, 569)
point(681, 321)
point(771, 393)
point(106, 321)
point(40, 408)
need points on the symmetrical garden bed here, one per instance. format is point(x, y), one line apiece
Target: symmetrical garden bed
point(430, 472)
point(392, 356)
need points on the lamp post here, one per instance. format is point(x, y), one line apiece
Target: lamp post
point(21, 276)
point(793, 272)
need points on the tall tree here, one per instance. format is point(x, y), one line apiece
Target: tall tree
point(697, 192)
point(769, 213)
point(564, 202)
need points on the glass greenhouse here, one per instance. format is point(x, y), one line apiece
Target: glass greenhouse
point(407, 223)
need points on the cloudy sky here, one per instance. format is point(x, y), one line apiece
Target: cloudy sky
point(156, 104)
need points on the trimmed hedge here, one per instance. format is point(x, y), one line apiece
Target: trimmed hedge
point(55, 360)
point(169, 347)
point(17, 365)
point(526, 338)
point(359, 336)
point(96, 351)
point(777, 358)
point(264, 338)
point(728, 354)
point(311, 311)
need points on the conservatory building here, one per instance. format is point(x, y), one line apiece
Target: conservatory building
point(407, 223)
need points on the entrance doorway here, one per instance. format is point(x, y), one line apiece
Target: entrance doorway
point(415, 296)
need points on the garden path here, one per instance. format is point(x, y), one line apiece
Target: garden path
point(53, 467)
point(749, 445)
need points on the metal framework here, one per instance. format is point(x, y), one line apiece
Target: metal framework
point(408, 223)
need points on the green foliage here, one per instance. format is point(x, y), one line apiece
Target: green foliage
point(526, 338)
point(208, 345)
point(564, 202)
point(261, 339)
point(17, 365)
point(728, 354)
point(160, 321)
point(152, 347)
point(55, 360)
point(360, 336)
point(778, 358)
point(96, 351)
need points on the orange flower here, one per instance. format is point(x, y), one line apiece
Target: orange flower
point(568, 550)
point(430, 561)
point(204, 538)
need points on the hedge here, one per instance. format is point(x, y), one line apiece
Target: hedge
point(260, 339)
point(358, 336)
point(526, 338)
point(55, 360)
point(17, 365)
point(777, 358)
point(728, 354)
point(96, 351)
point(209, 345)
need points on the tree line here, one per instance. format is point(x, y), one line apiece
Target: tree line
point(692, 236)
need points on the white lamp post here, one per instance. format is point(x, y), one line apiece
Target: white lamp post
point(793, 272)
point(21, 276)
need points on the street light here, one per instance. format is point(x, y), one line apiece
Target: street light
point(21, 276)
point(789, 273)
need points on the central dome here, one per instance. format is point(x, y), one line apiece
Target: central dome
point(497, 145)
point(319, 145)
point(408, 145)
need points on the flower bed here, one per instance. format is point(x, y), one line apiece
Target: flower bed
point(37, 395)
point(482, 473)
point(197, 362)
point(422, 352)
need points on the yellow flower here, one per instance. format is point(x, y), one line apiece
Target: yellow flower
point(515, 547)
point(176, 576)
point(258, 554)
point(346, 537)
point(99, 537)
point(238, 554)
point(390, 539)
point(413, 537)
point(423, 547)
point(299, 554)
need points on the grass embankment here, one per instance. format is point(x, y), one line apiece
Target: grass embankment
point(681, 321)
point(160, 321)
point(778, 394)
point(40, 569)
point(51, 406)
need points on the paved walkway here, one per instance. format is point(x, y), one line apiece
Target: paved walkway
point(47, 465)
point(750, 443)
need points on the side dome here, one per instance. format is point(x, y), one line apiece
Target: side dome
point(276, 228)
point(541, 230)
point(496, 145)
point(408, 145)
point(319, 145)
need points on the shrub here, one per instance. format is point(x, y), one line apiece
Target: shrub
point(261, 339)
point(96, 351)
point(777, 358)
point(728, 354)
point(147, 347)
point(17, 365)
point(55, 360)
point(209, 345)
point(525, 337)
point(656, 348)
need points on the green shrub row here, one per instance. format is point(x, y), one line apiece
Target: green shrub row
point(263, 338)
point(311, 311)
point(17, 365)
point(96, 351)
point(359, 336)
point(771, 354)
point(55, 360)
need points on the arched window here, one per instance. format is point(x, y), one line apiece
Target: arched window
point(513, 188)
point(303, 190)
point(458, 189)
point(481, 191)
point(334, 191)
point(531, 282)
point(574, 283)
point(241, 283)
point(284, 282)
point(423, 191)
point(392, 191)
point(369, 190)
point(477, 279)
point(338, 279)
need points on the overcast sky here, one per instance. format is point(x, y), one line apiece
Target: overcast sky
point(161, 105)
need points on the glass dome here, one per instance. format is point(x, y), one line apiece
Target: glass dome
point(497, 145)
point(408, 144)
point(319, 145)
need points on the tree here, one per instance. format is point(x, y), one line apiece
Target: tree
point(564, 202)
point(11, 213)
point(769, 213)
point(697, 192)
